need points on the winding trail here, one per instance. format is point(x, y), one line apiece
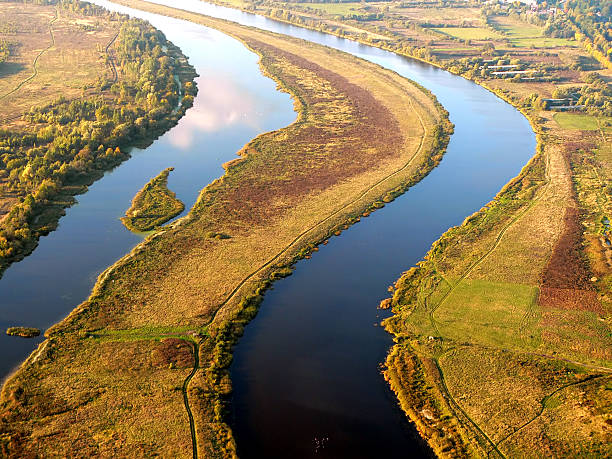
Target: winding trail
point(196, 366)
point(111, 61)
point(543, 406)
point(35, 74)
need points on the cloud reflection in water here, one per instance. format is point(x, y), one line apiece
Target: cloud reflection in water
point(221, 103)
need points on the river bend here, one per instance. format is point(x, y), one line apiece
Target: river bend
point(306, 373)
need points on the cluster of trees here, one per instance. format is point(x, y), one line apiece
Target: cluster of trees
point(589, 21)
point(73, 141)
point(593, 21)
point(595, 96)
point(5, 51)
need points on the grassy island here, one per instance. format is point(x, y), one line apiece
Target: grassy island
point(125, 367)
point(153, 206)
point(24, 332)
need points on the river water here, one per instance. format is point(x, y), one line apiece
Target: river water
point(306, 373)
point(235, 103)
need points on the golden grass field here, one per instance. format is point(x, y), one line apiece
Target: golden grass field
point(72, 51)
point(503, 331)
point(119, 369)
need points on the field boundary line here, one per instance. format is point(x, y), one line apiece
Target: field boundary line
point(543, 407)
point(35, 74)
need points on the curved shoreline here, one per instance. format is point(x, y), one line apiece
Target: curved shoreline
point(46, 212)
point(544, 152)
point(58, 330)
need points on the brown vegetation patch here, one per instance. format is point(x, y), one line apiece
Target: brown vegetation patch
point(173, 352)
point(566, 268)
point(569, 298)
point(565, 283)
point(351, 129)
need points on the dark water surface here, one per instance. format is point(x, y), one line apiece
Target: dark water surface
point(306, 373)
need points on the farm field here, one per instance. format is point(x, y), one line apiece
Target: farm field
point(341, 9)
point(526, 35)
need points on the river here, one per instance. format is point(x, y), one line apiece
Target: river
point(235, 103)
point(306, 372)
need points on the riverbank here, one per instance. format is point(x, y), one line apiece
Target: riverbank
point(54, 147)
point(508, 294)
point(519, 277)
point(360, 138)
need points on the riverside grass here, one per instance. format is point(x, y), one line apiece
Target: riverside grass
point(539, 298)
point(503, 326)
point(363, 135)
point(153, 205)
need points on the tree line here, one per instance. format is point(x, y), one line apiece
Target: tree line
point(72, 142)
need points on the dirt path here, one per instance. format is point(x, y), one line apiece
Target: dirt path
point(35, 74)
point(196, 365)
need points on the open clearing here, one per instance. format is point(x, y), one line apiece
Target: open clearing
point(582, 122)
point(526, 35)
point(73, 58)
point(468, 33)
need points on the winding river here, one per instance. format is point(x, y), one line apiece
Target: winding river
point(235, 103)
point(306, 373)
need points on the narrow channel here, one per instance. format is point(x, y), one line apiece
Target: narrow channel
point(306, 372)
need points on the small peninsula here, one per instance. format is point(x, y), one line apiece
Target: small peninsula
point(153, 205)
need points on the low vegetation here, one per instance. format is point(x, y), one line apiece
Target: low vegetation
point(153, 206)
point(113, 96)
point(503, 330)
point(24, 332)
point(362, 136)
